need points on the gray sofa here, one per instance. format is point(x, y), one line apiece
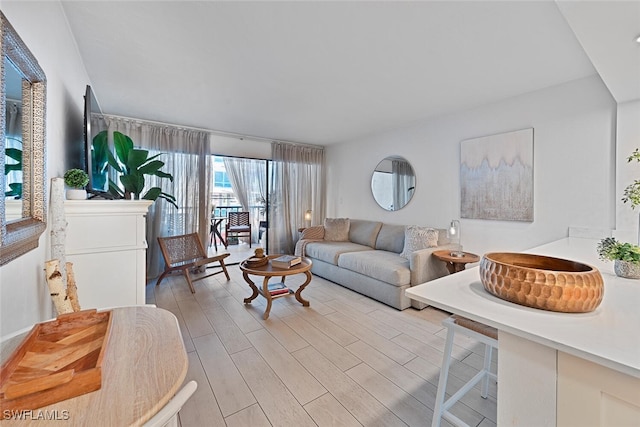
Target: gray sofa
point(370, 262)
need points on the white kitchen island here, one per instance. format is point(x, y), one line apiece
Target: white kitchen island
point(562, 369)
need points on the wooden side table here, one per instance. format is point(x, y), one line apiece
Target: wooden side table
point(456, 263)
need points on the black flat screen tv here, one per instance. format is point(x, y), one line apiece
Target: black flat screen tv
point(95, 147)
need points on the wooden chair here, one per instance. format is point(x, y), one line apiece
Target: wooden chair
point(239, 225)
point(186, 253)
point(168, 415)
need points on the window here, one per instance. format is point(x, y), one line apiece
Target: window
point(221, 180)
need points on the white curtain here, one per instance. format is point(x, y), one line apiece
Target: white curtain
point(403, 181)
point(298, 186)
point(187, 157)
point(248, 182)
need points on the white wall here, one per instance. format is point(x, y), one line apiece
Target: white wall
point(574, 166)
point(240, 147)
point(628, 136)
point(24, 298)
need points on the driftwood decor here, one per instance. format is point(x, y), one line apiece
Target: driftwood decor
point(72, 289)
point(58, 222)
point(60, 277)
point(64, 295)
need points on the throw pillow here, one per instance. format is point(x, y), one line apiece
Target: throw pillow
point(336, 229)
point(313, 233)
point(416, 238)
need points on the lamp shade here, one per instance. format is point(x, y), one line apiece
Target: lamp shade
point(307, 215)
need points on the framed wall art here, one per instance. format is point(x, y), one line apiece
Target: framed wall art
point(496, 177)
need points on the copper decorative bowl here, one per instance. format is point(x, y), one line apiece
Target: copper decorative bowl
point(542, 282)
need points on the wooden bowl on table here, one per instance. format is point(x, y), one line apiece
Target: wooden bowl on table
point(543, 282)
point(256, 262)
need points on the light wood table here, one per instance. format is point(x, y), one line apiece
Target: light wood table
point(144, 366)
point(267, 272)
point(456, 263)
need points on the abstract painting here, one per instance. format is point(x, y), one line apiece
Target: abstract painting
point(496, 177)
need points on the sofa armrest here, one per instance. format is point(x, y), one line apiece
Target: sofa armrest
point(425, 267)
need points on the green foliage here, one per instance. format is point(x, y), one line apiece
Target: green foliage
point(133, 164)
point(76, 178)
point(14, 154)
point(609, 249)
point(99, 160)
point(16, 190)
point(632, 191)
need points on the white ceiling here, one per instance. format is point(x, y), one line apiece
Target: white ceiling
point(607, 31)
point(326, 72)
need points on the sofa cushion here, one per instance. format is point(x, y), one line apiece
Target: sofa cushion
point(364, 232)
point(330, 251)
point(313, 233)
point(391, 238)
point(385, 266)
point(336, 229)
point(416, 238)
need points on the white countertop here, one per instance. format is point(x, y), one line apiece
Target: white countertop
point(609, 335)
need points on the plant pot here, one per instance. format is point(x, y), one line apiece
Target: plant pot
point(76, 194)
point(628, 270)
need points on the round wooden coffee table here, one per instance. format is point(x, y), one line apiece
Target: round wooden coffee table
point(455, 263)
point(267, 271)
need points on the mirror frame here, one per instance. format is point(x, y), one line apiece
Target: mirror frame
point(373, 192)
point(20, 236)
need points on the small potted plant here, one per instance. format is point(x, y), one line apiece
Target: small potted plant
point(626, 257)
point(75, 180)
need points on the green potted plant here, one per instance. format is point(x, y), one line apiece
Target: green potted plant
point(626, 257)
point(632, 191)
point(76, 180)
point(133, 164)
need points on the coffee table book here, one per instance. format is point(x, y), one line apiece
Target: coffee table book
point(286, 261)
point(57, 360)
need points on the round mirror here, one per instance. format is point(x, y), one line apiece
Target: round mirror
point(393, 183)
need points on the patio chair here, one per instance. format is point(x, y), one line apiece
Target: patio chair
point(186, 253)
point(238, 224)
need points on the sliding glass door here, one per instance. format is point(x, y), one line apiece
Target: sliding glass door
point(240, 185)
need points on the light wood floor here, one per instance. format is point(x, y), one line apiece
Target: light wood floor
point(345, 360)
